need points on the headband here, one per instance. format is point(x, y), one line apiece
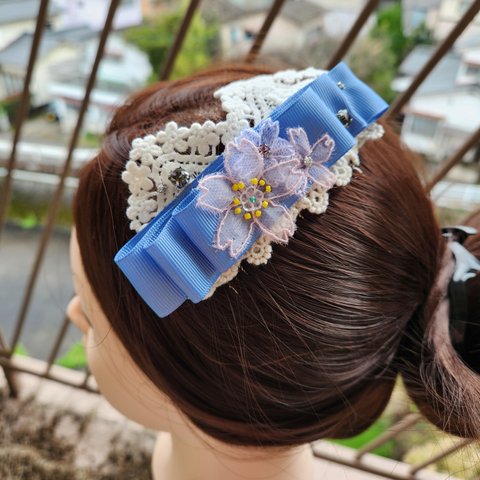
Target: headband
point(245, 198)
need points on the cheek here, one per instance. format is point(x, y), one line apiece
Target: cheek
point(123, 384)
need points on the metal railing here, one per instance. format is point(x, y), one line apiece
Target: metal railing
point(11, 364)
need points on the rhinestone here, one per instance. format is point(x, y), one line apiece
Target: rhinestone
point(307, 161)
point(264, 150)
point(341, 85)
point(344, 117)
point(179, 177)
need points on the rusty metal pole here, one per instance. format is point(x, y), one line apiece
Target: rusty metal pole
point(265, 28)
point(347, 42)
point(437, 55)
point(6, 192)
point(178, 42)
point(57, 198)
point(455, 159)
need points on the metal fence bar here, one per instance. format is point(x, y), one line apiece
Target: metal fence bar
point(347, 42)
point(440, 456)
point(455, 159)
point(405, 423)
point(57, 344)
point(86, 378)
point(57, 198)
point(178, 42)
point(437, 55)
point(6, 192)
point(265, 28)
point(9, 374)
point(11, 364)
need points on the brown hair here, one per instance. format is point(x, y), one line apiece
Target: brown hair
point(309, 345)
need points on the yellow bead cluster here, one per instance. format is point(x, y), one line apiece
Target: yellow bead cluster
point(236, 187)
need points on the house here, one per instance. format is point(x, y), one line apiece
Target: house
point(63, 66)
point(123, 69)
point(56, 47)
point(443, 113)
point(20, 16)
point(92, 13)
point(439, 16)
point(299, 23)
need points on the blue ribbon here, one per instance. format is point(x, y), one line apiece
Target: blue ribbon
point(173, 258)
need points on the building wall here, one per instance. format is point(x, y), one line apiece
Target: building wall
point(237, 36)
point(93, 12)
point(11, 31)
point(45, 71)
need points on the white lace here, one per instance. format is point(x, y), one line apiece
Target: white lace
point(246, 102)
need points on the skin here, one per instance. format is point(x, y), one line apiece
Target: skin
point(182, 451)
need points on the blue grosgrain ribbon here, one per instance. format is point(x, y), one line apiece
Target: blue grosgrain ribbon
point(174, 259)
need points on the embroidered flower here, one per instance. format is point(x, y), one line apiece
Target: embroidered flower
point(312, 158)
point(272, 148)
point(247, 195)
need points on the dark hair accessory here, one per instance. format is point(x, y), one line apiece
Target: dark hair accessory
point(466, 268)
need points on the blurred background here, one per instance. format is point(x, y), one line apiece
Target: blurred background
point(396, 40)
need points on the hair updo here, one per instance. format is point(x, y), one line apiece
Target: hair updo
point(309, 345)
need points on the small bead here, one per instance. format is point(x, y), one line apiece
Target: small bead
point(341, 85)
point(258, 213)
point(264, 204)
point(247, 216)
point(254, 181)
point(235, 187)
point(262, 183)
point(241, 185)
point(236, 201)
point(253, 199)
point(268, 188)
point(308, 161)
point(344, 117)
point(238, 211)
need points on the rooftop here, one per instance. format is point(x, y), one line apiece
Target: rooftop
point(297, 11)
point(442, 78)
point(17, 53)
point(13, 11)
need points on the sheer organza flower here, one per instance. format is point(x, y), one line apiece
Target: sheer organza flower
point(247, 195)
point(272, 148)
point(312, 158)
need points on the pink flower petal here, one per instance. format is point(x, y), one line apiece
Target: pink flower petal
point(321, 176)
point(284, 178)
point(243, 161)
point(251, 135)
point(300, 142)
point(322, 149)
point(276, 222)
point(215, 192)
point(268, 132)
point(233, 233)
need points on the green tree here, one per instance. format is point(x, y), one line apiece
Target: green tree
point(376, 57)
point(157, 35)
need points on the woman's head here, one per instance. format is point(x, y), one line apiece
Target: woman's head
point(304, 347)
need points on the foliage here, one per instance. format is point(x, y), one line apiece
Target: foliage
point(74, 358)
point(20, 350)
point(377, 429)
point(156, 36)
point(10, 107)
point(376, 57)
point(29, 211)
